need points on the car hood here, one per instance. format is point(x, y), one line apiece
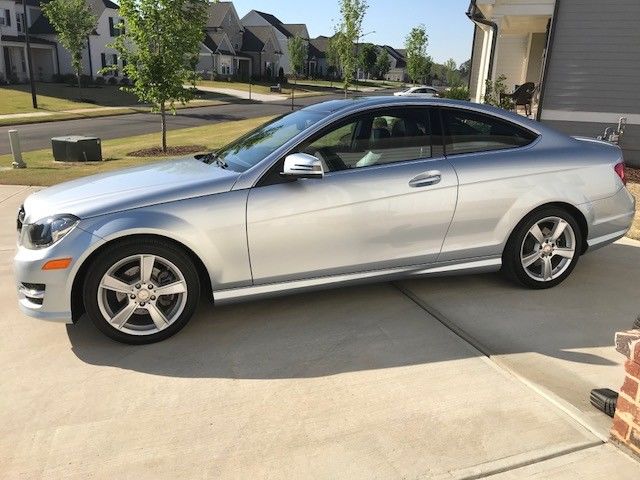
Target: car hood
point(136, 187)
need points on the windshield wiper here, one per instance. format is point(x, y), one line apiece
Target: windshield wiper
point(212, 157)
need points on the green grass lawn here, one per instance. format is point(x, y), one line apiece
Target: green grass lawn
point(43, 170)
point(55, 97)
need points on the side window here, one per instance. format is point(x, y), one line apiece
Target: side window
point(468, 132)
point(374, 139)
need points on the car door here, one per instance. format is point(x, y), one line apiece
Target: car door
point(495, 171)
point(386, 200)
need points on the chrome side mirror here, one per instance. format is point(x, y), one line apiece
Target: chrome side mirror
point(302, 165)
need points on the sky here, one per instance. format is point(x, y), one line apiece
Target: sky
point(450, 31)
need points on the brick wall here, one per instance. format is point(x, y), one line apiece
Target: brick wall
point(626, 422)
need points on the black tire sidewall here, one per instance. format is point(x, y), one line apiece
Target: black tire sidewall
point(116, 252)
point(511, 257)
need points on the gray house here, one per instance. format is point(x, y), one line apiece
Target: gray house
point(583, 56)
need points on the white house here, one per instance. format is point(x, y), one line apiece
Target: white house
point(13, 51)
point(97, 54)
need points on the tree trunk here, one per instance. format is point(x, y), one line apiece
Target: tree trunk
point(293, 89)
point(163, 117)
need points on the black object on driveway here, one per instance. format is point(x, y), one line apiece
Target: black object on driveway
point(604, 399)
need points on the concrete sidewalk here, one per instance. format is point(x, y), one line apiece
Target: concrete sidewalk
point(244, 95)
point(346, 383)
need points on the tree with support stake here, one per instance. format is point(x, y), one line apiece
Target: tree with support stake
point(160, 49)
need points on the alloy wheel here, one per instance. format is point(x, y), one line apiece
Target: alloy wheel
point(548, 249)
point(142, 294)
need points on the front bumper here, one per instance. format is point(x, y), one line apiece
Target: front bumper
point(47, 294)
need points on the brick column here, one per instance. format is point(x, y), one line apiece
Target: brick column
point(626, 422)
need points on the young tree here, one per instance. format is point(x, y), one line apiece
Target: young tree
point(159, 50)
point(368, 56)
point(451, 73)
point(73, 22)
point(298, 54)
point(418, 63)
point(333, 56)
point(350, 28)
point(383, 64)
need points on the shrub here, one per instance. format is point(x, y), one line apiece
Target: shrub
point(493, 91)
point(100, 81)
point(112, 81)
point(125, 81)
point(456, 93)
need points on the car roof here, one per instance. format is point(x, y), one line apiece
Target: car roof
point(357, 103)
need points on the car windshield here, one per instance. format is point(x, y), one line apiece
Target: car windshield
point(250, 149)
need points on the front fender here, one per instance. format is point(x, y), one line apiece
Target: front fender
point(213, 228)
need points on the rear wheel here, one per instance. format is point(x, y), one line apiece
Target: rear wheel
point(141, 291)
point(543, 249)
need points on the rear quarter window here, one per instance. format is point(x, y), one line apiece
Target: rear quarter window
point(468, 132)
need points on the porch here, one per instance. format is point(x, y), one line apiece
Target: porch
point(14, 67)
point(510, 40)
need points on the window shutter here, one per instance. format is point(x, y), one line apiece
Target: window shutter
point(7, 16)
point(111, 30)
point(103, 58)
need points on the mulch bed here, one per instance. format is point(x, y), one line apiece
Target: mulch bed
point(633, 174)
point(171, 151)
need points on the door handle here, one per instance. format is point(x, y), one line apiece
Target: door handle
point(425, 179)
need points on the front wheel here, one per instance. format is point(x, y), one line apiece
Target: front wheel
point(141, 291)
point(543, 249)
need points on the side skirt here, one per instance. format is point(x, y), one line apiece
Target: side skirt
point(255, 292)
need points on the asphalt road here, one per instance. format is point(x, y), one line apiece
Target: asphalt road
point(38, 135)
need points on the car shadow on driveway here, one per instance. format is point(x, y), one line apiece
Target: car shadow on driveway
point(306, 335)
point(377, 326)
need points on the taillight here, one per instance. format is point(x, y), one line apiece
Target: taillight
point(619, 168)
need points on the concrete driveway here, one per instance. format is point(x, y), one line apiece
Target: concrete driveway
point(347, 383)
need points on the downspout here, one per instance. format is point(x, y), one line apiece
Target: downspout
point(547, 56)
point(57, 57)
point(473, 45)
point(89, 54)
point(475, 15)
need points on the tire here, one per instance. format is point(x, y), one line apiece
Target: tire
point(534, 258)
point(141, 291)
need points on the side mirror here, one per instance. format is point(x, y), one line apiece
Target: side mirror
point(302, 165)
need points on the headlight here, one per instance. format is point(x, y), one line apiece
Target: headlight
point(47, 231)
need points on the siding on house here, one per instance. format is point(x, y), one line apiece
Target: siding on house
point(594, 69)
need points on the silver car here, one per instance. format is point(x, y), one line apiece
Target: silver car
point(340, 192)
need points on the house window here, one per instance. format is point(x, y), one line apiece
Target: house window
point(20, 22)
point(5, 18)
point(116, 27)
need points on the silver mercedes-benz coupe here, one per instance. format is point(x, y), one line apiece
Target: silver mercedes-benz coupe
point(339, 192)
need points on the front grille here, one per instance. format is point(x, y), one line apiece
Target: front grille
point(32, 292)
point(20, 219)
